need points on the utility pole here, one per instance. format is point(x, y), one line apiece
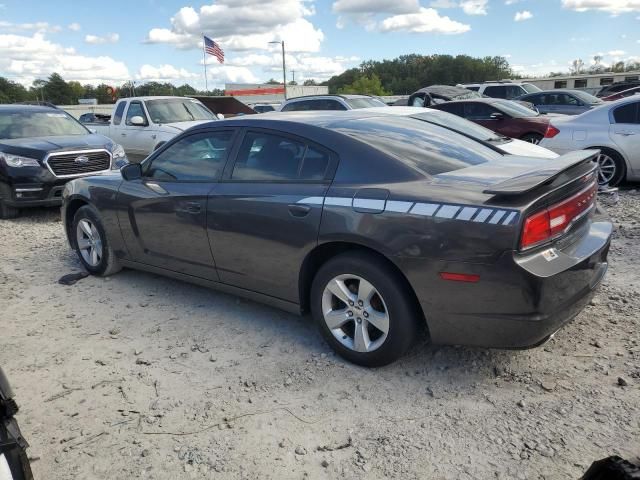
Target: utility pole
point(284, 69)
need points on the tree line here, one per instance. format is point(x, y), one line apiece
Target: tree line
point(60, 92)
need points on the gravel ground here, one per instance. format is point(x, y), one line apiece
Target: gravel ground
point(146, 377)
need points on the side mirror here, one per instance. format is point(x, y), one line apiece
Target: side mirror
point(93, 130)
point(219, 116)
point(496, 116)
point(131, 171)
point(137, 121)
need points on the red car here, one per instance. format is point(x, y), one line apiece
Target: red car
point(622, 94)
point(502, 116)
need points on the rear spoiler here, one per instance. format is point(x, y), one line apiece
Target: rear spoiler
point(532, 179)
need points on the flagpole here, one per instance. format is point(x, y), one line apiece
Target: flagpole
point(204, 62)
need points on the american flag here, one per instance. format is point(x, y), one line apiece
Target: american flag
point(212, 48)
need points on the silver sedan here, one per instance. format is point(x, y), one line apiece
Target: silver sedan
point(613, 128)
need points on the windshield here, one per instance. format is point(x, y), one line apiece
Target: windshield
point(177, 110)
point(365, 102)
point(586, 98)
point(461, 125)
point(530, 88)
point(514, 109)
point(29, 123)
point(427, 148)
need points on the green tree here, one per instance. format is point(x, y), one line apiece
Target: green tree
point(57, 91)
point(11, 92)
point(365, 85)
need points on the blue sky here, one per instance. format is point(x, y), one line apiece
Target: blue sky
point(144, 40)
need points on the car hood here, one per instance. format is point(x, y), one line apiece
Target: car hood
point(182, 126)
point(526, 149)
point(39, 147)
point(66, 142)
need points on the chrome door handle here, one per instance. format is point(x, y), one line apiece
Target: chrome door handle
point(123, 134)
point(627, 134)
point(154, 136)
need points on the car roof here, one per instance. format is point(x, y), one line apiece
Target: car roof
point(27, 108)
point(447, 90)
point(158, 97)
point(329, 95)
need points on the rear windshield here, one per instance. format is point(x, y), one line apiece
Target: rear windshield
point(586, 98)
point(530, 88)
point(515, 109)
point(459, 124)
point(29, 123)
point(365, 102)
point(425, 147)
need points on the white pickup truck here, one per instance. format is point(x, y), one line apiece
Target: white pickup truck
point(142, 124)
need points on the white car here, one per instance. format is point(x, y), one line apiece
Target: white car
point(143, 124)
point(613, 128)
point(509, 146)
point(507, 90)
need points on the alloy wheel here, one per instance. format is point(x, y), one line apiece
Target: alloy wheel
point(89, 242)
point(355, 313)
point(607, 170)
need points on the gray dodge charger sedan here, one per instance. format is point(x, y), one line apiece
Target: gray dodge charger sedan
point(378, 225)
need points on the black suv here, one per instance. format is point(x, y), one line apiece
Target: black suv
point(41, 149)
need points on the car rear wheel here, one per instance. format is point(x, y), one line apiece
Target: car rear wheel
point(363, 310)
point(612, 169)
point(92, 244)
point(534, 138)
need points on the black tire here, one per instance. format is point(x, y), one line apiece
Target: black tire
point(401, 308)
point(534, 138)
point(7, 212)
point(108, 263)
point(620, 167)
point(16, 459)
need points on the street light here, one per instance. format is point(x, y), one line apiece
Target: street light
point(284, 69)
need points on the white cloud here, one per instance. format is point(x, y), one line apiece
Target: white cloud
point(427, 20)
point(611, 6)
point(74, 27)
point(375, 6)
point(616, 53)
point(474, 7)
point(523, 15)
point(29, 57)
point(164, 73)
point(249, 24)
point(305, 65)
point(35, 26)
point(97, 40)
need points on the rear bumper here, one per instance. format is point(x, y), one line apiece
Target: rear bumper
point(520, 300)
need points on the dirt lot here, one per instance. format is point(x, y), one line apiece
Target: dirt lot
point(138, 376)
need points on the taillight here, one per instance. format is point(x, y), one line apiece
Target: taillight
point(551, 131)
point(553, 221)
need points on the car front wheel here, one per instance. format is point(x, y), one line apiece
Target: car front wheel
point(363, 310)
point(92, 244)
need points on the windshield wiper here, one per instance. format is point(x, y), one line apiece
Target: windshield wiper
point(190, 114)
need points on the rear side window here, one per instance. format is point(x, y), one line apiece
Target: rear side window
point(117, 116)
point(478, 111)
point(475, 89)
point(496, 92)
point(452, 107)
point(626, 113)
point(425, 147)
point(298, 106)
point(268, 157)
